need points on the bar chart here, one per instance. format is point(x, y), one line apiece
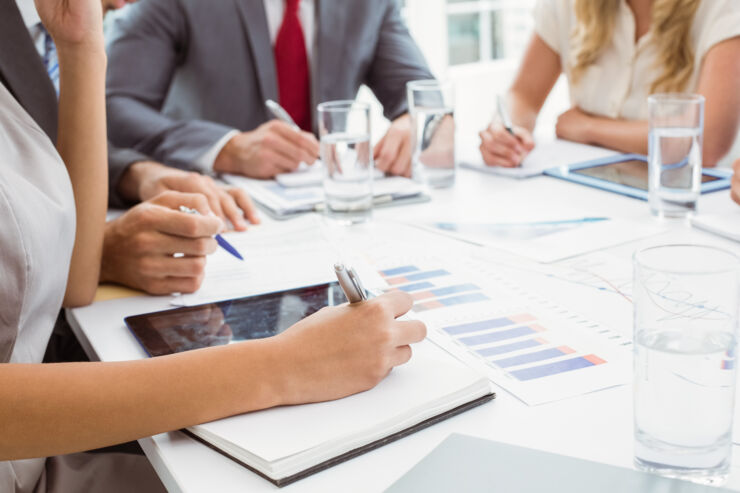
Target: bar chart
point(426, 290)
point(538, 351)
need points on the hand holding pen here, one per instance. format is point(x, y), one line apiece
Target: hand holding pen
point(219, 239)
point(503, 143)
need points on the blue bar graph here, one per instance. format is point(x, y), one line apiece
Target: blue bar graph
point(399, 270)
point(508, 348)
point(500, 335)
point(523, 359)
point(445, 291)
point(409, 288)
point(494, 323)
point(451, 301)
point(554, 368)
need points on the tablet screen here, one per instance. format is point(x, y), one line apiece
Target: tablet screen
point(632, 173)
point(226, 322)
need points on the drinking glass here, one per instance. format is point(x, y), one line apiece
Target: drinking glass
point(685, 321)
point(675, 153)
point(344, 131)
point(431, 105)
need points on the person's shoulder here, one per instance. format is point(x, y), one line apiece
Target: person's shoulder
point(553, 22)
point(715, 21)
point(710, 12)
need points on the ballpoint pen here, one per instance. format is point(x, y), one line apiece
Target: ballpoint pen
point(280, 113)
point(350, 283)
point(504, 115)
point(219, 239)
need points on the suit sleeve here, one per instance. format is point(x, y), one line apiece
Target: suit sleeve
point(146, 45)
point(397, 61)
point(118, 162)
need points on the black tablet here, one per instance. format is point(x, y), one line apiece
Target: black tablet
point(225, 322)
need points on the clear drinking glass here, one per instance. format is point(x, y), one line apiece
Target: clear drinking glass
point(431, 105)
point(685, 314)
point(344, 131)
point(675, 153)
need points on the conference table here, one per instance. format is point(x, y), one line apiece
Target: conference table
point(595, 426)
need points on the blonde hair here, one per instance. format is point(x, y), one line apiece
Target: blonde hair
point(670, 29)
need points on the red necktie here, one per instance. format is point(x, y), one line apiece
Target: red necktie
point(291, 63)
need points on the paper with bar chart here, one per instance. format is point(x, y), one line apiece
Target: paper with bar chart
point(535, 349)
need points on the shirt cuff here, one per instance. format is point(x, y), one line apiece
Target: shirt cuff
point(206, 160)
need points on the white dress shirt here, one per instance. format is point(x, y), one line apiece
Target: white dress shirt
point(618, 83)
point(274, 10)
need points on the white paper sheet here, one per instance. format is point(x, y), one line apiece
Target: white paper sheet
point(550, 240)
point(726, 225)
point(533, 347)
point(276, 256)
point(544, 156)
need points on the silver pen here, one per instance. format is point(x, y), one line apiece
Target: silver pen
point(350, 283)
point(504, 115)
point(280, 113)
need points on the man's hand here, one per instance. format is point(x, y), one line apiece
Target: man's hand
point(345, 349)
point(139, 247)
point(735, 191)
point(392, 153)
point(574, 125)
point(145, 180)
point(273, 148)
point(499, 148)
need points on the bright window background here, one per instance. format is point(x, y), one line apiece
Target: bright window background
point(477, 44)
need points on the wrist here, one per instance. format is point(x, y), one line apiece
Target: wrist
point(133, 183)
point(226, 161)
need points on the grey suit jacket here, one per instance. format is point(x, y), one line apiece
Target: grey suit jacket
point(24, 74)
point(183, 73)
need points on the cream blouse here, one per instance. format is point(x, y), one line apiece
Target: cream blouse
point(37, 228)
point(618, 84)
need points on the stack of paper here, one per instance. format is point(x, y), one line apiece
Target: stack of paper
point(544, 156)
point(285, 201)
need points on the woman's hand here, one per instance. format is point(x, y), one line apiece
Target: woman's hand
point(73, 23)
point(499, 148)
point(575, 125)
point(343, 350)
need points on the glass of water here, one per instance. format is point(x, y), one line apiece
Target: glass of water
point(675, 153)
point(344, 131)
point(431, 105)
point(685, 314)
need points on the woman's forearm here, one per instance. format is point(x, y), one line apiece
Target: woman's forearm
point(82, 143)
point(620, 135)
point(53, 409)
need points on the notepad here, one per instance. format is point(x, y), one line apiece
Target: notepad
point(286, 444)
point(282, 202)
point(545, 155)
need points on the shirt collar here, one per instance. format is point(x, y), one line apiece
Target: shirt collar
point(28, 12)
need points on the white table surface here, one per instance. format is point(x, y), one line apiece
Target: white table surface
point(595, 426)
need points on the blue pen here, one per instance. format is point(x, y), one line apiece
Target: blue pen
point(219, 239)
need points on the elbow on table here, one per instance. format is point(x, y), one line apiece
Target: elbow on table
point(77, 297)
